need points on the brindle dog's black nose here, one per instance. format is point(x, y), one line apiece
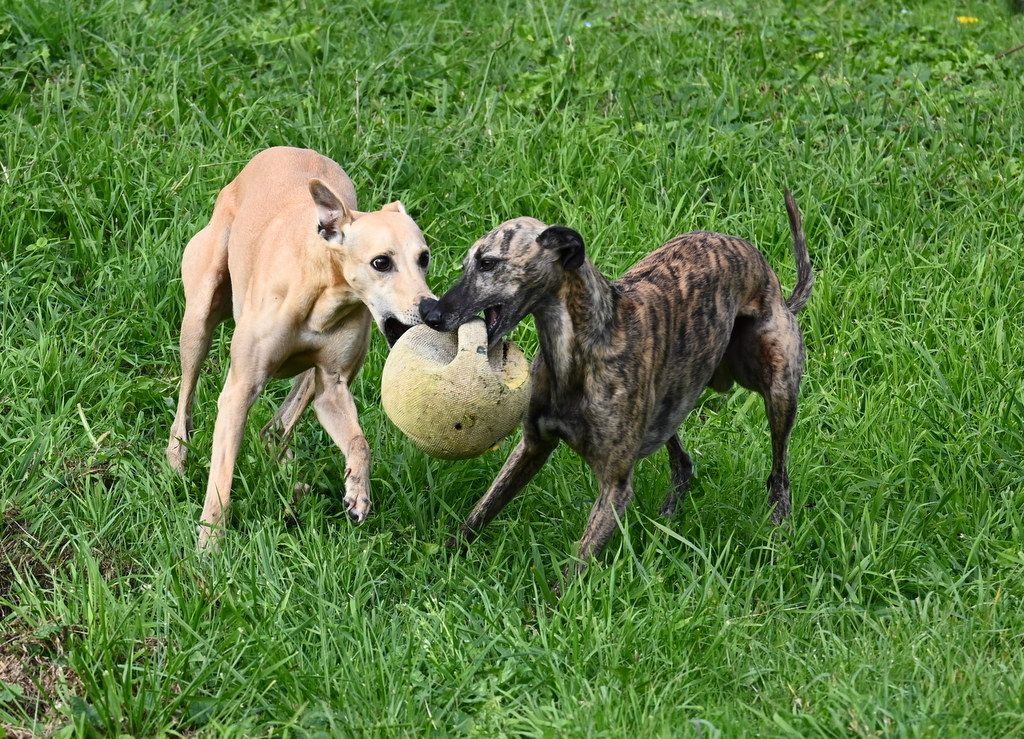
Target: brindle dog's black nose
point(430, 312)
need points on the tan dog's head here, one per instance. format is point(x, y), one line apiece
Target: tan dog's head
point(385, 258)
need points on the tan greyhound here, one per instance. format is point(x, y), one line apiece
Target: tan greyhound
point(287, 255)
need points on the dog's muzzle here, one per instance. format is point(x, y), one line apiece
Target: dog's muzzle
point(393, 330)
point(431, 313)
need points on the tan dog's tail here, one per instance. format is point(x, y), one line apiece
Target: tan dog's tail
point(804, 272)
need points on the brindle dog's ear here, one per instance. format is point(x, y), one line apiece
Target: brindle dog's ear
point(568, 244)
point(332, 214)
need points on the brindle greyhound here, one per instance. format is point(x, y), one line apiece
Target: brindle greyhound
point(622, 363)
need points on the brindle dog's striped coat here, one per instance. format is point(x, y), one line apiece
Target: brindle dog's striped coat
point(622, 363)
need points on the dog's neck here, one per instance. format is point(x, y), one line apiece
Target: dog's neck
point(573, 323)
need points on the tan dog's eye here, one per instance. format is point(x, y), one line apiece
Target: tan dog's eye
point(487, 264)
point(424, 259)
point(381, 263)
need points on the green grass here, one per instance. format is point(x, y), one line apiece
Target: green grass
point(894, 602)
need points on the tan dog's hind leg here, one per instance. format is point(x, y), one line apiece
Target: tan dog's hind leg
point(279, 429)
point(336, 410)
point(204, 272)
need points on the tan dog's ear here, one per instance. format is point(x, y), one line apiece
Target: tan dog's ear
point(332, 214)
point(396, 207)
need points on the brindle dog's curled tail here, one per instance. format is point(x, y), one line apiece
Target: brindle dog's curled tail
point(804, 272)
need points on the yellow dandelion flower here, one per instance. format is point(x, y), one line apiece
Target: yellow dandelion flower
point(966, 19)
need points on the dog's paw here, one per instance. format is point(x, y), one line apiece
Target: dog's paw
point(177, 453)
point(570, 574)
point(780, 508)
point(457, 543)
point(357, 507)
point(276, 442)
point(357, 496)
point(208, 537)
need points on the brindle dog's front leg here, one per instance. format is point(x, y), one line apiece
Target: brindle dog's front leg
point(616, 492)
point(521, 467)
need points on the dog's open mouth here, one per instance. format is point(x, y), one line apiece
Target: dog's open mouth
point(393, 330)
point(491, 317)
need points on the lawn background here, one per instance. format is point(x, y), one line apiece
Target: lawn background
point(890, 605)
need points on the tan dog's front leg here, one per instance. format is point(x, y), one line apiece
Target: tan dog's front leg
point(239, 393)
point(336, 410)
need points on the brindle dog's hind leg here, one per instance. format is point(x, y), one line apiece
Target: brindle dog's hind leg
point(682, 473)
point(781, 408)
point(768, 357)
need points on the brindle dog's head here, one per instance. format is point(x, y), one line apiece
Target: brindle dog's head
point(507, 274)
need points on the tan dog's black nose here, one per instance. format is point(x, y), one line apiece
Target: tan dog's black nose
point(430, 312)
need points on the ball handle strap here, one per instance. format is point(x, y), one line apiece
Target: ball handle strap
point(472, 343)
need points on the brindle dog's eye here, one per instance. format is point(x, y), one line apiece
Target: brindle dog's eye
point(424, 260)
point(381, 263)
point(487, 264)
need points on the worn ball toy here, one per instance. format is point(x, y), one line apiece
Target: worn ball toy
point(450, 395)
